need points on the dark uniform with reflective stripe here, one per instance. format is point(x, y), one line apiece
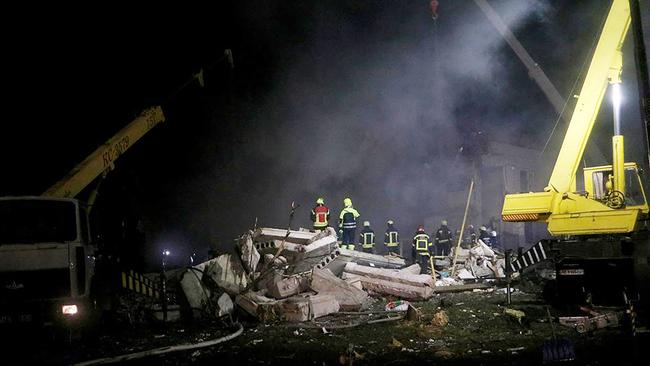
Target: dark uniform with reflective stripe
point(421, 245)
point(391, 239)
point(367, 240)
point(348, 223)
point(443, 240)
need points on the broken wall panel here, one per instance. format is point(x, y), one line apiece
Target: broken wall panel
point(403, 291)
point(390, 275)
point(297, 237)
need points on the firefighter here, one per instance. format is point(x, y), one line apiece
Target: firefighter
point(320, 215)
point(391, 239)
point(484, 235)
point(367, 238)
point(443, 239)
point(421, 249)
point(348, 224)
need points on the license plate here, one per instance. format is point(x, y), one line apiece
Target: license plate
point(19, 318)
point(572, 272)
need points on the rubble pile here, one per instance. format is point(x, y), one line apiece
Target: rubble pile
point(301, 275)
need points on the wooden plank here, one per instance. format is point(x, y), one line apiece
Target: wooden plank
point(390, 275)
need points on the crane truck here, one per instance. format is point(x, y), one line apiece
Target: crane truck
point(600, 235)
point(47, 257)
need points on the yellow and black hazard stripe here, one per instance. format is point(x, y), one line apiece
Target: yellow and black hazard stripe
point(521, 217)
point(140, 284)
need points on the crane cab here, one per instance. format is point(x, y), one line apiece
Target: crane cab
point(596, 187)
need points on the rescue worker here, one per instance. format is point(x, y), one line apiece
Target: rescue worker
point(391, 238)
point(367, 238)
point(470, 237)
point(421, 245)
point(320, 215)
point(484, 235)
point(348, 224)
point(444, 238)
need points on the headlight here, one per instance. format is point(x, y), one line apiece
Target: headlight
point(69, 309)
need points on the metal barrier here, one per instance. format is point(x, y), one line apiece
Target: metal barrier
point(140, 284)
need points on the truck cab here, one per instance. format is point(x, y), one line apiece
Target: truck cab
point(46, 261)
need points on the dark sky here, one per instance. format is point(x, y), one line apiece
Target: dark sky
point(363, 98)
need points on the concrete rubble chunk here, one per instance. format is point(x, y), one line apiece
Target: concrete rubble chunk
point(412, 269)
point(350, 298)
point(258, 306)
point(323, 304)
point(404, 291)
point(390, 275)
point(365, 259)
point(249, 255)
point(227, 272)
point(225, 305)
point(301, 308)
point(195, 291)
point(285, 287)
point(313, 254)
point(267, 234)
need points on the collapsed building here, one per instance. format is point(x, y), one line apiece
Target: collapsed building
point(300, 275)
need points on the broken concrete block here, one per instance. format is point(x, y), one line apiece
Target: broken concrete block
point(225, 305)
point(289, 250)
point(227, 272)
point(401, 290)
point(249, 255)
point(278, 262)
point(285, 287)
point(260, 307)
point(196, 293)
point(390, 275)
point(327, 232)
point(326, 260)
point(294, 309)
point(412, 269)
point(349, 298)
point(323, 304)
point(297, 237)
point(366, 259)
point(313, 254)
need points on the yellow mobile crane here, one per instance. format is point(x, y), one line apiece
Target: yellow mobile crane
point(46, 254)
point(602, 232)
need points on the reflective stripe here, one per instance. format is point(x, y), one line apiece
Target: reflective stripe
point(349, 225)
point(368, 240)
point(541, 247)
point(536, 255)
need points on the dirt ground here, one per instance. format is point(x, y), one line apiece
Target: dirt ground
point(478, 332)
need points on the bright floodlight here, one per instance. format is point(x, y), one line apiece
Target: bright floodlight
point(617, 97)
point(166, 252)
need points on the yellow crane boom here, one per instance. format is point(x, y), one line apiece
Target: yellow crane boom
point(103, 158)
point(606, 207)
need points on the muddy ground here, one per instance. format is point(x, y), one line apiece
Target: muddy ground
point(478, 332)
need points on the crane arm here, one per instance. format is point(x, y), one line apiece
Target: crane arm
point(103, 158)
point(605, 67)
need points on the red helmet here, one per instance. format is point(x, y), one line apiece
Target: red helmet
point(421, 228)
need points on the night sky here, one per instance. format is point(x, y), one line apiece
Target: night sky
point(370, 99)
